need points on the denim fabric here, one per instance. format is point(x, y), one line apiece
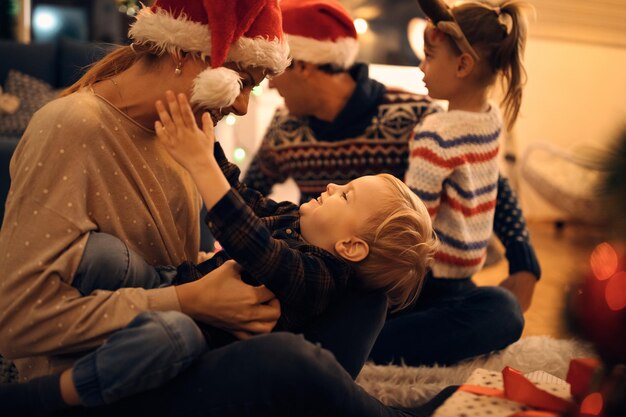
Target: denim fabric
point(279, 374)
point(108, 264)
point(155, 347)
point(347, 329)
point(452, 320)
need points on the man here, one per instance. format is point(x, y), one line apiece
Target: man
point(338, 124)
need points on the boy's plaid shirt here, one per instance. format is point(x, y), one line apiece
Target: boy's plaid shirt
point(263, 236)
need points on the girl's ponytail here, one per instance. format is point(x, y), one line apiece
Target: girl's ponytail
point(508, 58)
point(498, 33)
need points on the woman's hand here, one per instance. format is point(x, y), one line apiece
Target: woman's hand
point(221, 299)
point(179, 134)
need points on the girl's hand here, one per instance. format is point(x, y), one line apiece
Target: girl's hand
point(179, 134)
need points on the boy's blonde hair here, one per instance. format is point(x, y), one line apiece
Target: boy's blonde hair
point(402, 245)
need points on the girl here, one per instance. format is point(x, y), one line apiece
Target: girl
point(453, 168)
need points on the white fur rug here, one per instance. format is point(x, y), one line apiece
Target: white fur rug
point(411, 386)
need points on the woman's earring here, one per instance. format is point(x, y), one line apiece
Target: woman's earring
point(178, 69)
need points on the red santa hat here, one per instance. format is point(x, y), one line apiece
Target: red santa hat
point(320, 32)
point(247, 32)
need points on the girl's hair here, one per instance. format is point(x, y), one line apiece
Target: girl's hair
point(116, 61)
point(498, 34)
point(402, 245)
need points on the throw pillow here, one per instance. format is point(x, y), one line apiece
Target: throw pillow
point(32, 93)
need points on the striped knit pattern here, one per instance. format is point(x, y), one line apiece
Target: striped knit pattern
point(290, 148)
point(453, 167)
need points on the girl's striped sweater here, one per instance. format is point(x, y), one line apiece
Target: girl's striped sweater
point(453, 168)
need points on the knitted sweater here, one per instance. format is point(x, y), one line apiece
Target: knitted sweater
point(369, 136)
point(264, 237)
point(453, 168)
point(82, 166)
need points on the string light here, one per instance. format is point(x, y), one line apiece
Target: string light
point(230, 120)
point(239, 154)
point(360, 25)
point(257, 91)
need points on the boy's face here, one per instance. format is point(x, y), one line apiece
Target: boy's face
point(341, 211)
point(439, 65)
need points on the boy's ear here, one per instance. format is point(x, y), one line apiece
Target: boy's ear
point(352, 249)
point(465, 65)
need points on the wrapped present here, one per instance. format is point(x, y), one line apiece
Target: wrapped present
point(583, 375)
point(511, 393)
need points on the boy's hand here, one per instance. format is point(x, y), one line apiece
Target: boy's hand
point(179, 134)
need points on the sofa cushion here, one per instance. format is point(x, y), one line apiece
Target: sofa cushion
point(32, 93)
point(36, 59)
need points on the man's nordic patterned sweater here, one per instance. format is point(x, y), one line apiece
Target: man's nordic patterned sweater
point(453, 168)
point(291, 147)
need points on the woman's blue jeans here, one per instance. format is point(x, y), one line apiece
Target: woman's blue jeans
point(157, 346)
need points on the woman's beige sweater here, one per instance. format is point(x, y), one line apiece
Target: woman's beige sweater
point(82, 165)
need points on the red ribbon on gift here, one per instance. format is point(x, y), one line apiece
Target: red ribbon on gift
point(520, 389)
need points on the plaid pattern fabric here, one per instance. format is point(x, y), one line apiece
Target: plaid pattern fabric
point(8, 371)
point(263, 236)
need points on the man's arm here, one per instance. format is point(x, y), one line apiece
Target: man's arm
point(510, 227)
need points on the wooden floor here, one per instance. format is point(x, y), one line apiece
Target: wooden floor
point(564, 258)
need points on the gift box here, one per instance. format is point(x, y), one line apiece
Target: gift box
point(537, 394)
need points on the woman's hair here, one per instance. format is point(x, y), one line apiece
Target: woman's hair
point(116, 61)
point(498, 34)
point(402, 245)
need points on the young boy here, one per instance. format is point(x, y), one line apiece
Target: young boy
point(372, 233)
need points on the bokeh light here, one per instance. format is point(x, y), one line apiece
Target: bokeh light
point(230, 120)
point(604, 261)
point(615, 291)
point(239, 154)
point(360, 25)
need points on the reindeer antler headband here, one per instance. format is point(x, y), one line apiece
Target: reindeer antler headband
point(443, 19)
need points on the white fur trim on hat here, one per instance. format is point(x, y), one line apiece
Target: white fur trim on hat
point(261, 52)
point(215, 88)
point(173, 35)
point(341, 52)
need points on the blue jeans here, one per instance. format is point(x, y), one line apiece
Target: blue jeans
point(157, 346)
point(452, 320)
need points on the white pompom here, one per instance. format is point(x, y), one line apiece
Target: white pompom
point(215, 88)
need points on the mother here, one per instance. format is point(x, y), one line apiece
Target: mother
point(89, 162)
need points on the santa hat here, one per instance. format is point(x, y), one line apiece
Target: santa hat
point(247, 32)
point(320, 32)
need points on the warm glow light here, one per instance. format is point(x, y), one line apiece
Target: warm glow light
point(239, 154)
point(615, 292)
point(415, 33)
point(604, 261)
point(360, 25)
point(45, 21)
point(258, 90)
point(231, 120)
point(592, 404)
